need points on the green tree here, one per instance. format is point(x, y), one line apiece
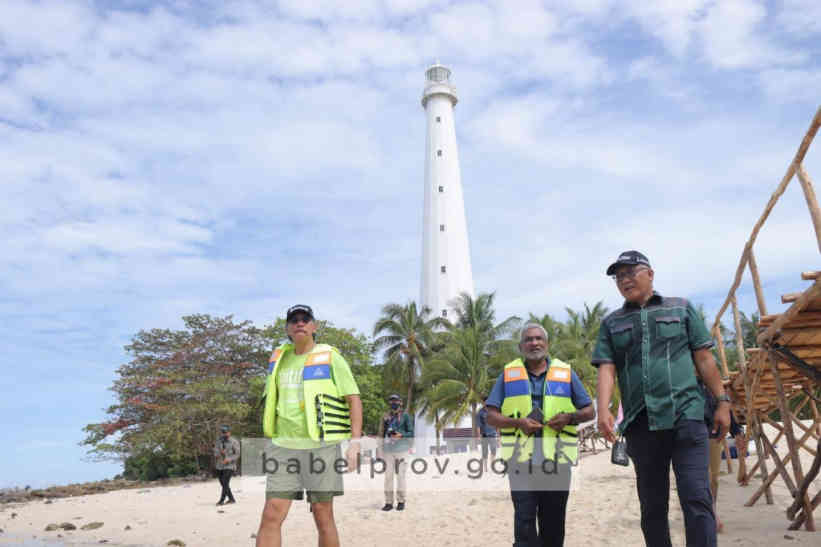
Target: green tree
point(456, 379)
point(178, 388)
point(180, 385)
point(574, 340)
point(406, 335)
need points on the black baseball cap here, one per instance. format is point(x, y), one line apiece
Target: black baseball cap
point(394, 397)
point(299, 308)
point(225, 428)
point(630, 258)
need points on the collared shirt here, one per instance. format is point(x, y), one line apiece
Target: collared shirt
point(651, 347)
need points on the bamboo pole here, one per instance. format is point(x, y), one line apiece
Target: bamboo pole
point(749, 385)
point(780, 466)
point(799, 157)
point(771, 477)
point(786, 419)
point(812, 201)
point(726, 449)
point(759, 292)
point(801, 517)
point(722, 356)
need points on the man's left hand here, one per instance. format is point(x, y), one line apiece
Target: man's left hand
point(560, 421)
point(352, 456)
point(721, 421)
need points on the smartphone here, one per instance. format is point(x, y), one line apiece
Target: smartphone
point(536, 415)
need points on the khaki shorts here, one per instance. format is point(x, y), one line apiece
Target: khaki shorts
point(291, 471)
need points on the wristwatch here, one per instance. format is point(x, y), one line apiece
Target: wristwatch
point(724, 397)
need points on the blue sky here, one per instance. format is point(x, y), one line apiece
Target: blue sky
point(166, 158)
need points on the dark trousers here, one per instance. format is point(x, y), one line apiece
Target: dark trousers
point(545, 504)
point(225, 477)
point(686, 446)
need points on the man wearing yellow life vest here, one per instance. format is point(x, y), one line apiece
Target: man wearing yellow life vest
point(536, 403)
point(311, 404)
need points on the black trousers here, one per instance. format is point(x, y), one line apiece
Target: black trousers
point(225, 478)
point(539, 495)
point(686, 446)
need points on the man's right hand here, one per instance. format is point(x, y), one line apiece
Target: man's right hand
point(607, 426)
point(529, 426)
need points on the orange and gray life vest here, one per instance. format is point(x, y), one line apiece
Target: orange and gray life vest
point(562, 446)
point(326, 412)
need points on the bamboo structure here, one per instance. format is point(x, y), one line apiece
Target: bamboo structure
point(783, 373)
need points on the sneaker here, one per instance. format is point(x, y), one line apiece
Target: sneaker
point(220, 502)
point(400, 506)
point(230, 501)
point(388, 507)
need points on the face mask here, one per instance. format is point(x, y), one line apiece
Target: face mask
point(394, 406)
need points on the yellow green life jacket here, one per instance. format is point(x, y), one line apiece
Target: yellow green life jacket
point(326, 412)
point(562, 446)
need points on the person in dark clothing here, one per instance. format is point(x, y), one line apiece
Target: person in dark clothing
point(226, 453)
point(393, 446)
point(536, 403)
point(654, 345)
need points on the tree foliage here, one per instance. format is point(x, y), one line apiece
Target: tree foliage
point(180, 386)
point(406, 334)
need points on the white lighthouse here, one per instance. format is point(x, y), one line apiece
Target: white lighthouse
point(446, 270)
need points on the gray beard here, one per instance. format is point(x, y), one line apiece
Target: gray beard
point(535, 355)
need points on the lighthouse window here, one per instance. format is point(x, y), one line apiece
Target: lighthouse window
point(441, 189)
point(444, 313)
point(438, 119)
point(439, 153)
point(443, 269)
point(441, 227)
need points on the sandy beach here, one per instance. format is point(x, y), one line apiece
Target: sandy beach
point(454, 510)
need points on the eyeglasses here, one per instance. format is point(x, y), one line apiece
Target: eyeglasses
point(627, 274)
point(299, 319)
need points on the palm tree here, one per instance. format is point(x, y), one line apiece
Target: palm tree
point(478, 312)
point(574, 340)
point(457, 378)
point(406, 335)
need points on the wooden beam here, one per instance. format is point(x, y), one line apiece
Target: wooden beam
point(802, 487)
point(726, 449)
point(816, 501)
point(771, 477)
point(790, 297)
point(780, 466)
point(722, 356)
point(807, 315)
point(759, 292)
point(809, 524)
point(812, 201)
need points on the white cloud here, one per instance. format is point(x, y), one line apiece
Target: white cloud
point(802, 17)
point(791, 85)
point(240, 157)
point(732, 37)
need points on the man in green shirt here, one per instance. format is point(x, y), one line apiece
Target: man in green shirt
point(306, 431)
point(654, 345)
